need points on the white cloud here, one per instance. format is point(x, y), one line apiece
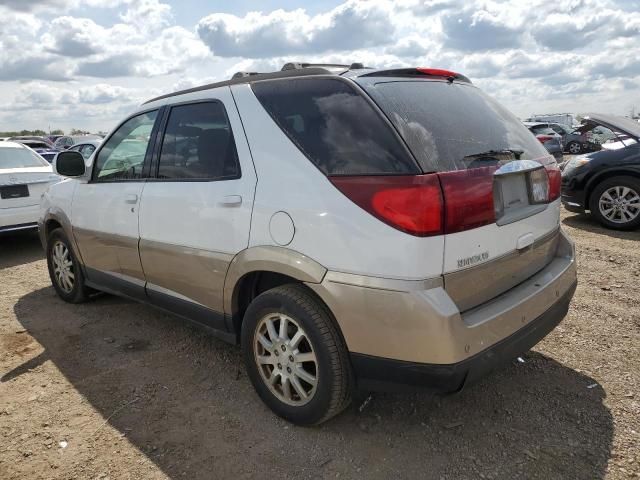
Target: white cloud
point(147, 15)
point(564, 55)
point(351, 25)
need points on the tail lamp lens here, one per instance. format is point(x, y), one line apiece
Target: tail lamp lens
point(539, 185)
point(555, 181)
point(410, 203)
point(440, 203)
point(468, 198)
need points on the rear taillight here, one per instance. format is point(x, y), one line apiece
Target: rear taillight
point(437, 203)
point(555, 179)
point(544, 138)
point(538, 186)
point(468, 198)
point(410, 203)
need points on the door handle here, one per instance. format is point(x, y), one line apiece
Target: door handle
point(231, 201)
point(131, 198)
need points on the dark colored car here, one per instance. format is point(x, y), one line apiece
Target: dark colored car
point(53, 138)
point(607, 182)
point(551, 140)
point(66, 141)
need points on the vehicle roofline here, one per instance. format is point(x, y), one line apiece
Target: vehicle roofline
point(303, 72)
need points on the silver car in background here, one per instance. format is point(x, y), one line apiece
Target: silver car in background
point(550, 139)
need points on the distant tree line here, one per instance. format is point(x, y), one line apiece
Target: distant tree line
point(42, 133)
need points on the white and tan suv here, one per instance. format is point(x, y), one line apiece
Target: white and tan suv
point(349, 227)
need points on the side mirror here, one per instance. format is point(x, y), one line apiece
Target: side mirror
point(70, 164)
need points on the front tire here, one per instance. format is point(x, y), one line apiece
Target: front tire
point(295, 357)
point(615, 203)
point(64, 269)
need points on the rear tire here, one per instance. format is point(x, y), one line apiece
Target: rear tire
point(615, 203)
point(574, 148)
point(64, 269)
point(295, 356)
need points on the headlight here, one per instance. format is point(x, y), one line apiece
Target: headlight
point(576, 162)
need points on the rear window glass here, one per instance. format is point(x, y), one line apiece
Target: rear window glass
point(20, 158)
point(453, 126)
point(335, 126)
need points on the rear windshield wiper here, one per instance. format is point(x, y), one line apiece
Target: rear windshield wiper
point(494, 153)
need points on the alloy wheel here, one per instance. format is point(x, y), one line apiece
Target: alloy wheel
point(286, 359)
point(619, 204)
point(574, 148)
point(63, 266)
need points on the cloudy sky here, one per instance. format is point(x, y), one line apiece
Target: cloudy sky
point(87, 63)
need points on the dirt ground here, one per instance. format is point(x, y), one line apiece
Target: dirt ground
point(113, 389)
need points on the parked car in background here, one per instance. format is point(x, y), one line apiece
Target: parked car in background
point(67, 141)
point(600, 134)
point(568, 119)
point(551, 140)
point(24, 177)
point(53, 138)
point(303, 215)
point(31, 138)
point(607, 182)
point(40, 145)
point(87, 147)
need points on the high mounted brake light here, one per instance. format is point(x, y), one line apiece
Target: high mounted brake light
point(419, 72)
point(438, 72)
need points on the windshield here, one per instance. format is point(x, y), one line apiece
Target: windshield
point(20, 158)
point(446, 125)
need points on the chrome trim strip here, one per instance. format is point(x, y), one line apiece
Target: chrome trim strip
point(381, 283)
point(15, 228)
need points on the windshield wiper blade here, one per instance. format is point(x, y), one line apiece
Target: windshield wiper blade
point(492, 153)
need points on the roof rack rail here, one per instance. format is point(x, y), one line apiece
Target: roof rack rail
point(299, 65)
point(244, 74)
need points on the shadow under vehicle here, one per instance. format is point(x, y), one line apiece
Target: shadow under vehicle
point(176, 391)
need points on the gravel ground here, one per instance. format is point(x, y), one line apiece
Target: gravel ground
point(113, 389)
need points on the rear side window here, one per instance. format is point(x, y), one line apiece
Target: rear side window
point(452, 126)
point(198, 144)
point(335, 127)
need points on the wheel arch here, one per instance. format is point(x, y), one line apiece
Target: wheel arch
point(258, 269)
point(602, 176)
point(57, 218)
point(50, 225)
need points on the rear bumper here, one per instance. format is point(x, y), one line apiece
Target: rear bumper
point(383, 374)
point(413, 334)
point(19, 218)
